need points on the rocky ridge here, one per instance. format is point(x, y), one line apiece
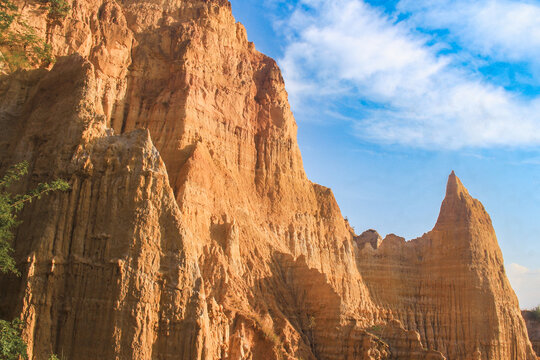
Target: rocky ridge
point(191, 230)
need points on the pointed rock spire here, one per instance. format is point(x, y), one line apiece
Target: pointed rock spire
point(454, 187)
point(457, 207)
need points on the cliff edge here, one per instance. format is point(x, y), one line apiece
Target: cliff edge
point(191, 230)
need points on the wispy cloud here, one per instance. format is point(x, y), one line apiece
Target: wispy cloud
point(399, 87)
point(502, 29)
point(531, 161)
point(526, 284)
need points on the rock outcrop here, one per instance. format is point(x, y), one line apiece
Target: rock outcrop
point(532, 320)
point(191, 230)
point(450, 284)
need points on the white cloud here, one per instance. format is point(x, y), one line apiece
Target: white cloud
point(526, 284)
point(348, 49)
point(505, 30)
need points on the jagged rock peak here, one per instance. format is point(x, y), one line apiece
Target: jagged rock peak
point(458, 208)
point(168, 121)
point(454, 187)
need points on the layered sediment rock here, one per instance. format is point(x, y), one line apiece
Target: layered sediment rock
point(105, 265)
point(450, 284)
point(191, 230)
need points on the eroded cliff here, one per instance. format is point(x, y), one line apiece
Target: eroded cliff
point(191, 230)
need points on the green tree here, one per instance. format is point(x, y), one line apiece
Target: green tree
point(57, 9)
point(11, 204)
point(11, 344)
point(536, 312)
point(20, 46)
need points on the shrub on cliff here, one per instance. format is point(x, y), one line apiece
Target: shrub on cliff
point(11, 344)
point(20, 46)
point(57, 9)
point(11, 204)
point(536, 312)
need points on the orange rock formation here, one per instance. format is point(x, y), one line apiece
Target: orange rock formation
point(191, 230)
point(532, 320)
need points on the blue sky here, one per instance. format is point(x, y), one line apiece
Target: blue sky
point(390, 96)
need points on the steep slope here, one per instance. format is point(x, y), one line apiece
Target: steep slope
point(450, 284)
point(92, 258)
point(191, 230)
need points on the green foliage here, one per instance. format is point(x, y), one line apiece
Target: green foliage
point(24, 49)
point(57, 9)
point(53, 357)
point(536, 312)
point(7, 14)
point(12, 347)
point(376, 330)
point(20, 46)
point(11, 204)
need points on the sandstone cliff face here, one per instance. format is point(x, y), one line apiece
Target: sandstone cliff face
point(103, 263)
point(450, 284)
point(191, 230)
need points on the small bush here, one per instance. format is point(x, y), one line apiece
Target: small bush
point(12, 347)
point(11, 204)
point(536, 312)
point(20, 46)
point(58, 9)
